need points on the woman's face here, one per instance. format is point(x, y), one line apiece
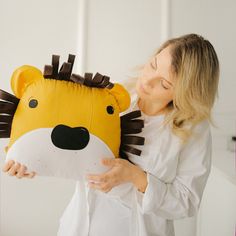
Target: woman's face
point(156, 82)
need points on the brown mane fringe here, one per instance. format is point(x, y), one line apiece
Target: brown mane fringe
point(129, 123)
point(8, 105)
point(51, 72)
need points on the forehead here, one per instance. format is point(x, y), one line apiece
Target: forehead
point(163, 60)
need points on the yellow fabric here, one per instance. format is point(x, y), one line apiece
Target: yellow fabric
point(68, 103)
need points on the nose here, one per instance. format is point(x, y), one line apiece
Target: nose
point(151, 82)
point(65, 137)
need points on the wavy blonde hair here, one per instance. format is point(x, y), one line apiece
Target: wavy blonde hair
point(195, 67)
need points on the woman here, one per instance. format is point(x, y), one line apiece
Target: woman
point(175, 92)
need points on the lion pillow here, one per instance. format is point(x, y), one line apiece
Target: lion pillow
point(62, 124)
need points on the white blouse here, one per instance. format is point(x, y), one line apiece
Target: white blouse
point(176, 175)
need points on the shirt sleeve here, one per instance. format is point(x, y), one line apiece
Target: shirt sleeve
point(181, 198)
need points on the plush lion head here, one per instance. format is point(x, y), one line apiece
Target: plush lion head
point(62, 124)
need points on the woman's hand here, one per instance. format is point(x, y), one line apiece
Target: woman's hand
point(121, 171)
point(16, 169)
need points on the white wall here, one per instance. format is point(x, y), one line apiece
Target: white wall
point(217, 214)
point(118, 36)
point(214, 19)
point(30, 32)
point(121, 35)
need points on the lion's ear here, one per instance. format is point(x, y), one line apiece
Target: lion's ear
point(24, 76)
point(122, 96)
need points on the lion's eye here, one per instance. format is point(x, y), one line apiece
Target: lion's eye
point(33, 103)
point(110, 109)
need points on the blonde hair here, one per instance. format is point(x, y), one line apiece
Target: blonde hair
point(195, 67)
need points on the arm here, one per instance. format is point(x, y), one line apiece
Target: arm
point(182, 197)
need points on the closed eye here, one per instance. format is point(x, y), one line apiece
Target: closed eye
point(154, 66)
point(162, 84)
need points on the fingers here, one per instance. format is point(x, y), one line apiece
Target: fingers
point(110, 162)
point(97, 178)
point(18, 170)
point(99, 182)
point(21, 171)
point(26, 175)
point(14, 169)
point(104, 187)
point(8, 165)
point(31, 175)
point(106, 181)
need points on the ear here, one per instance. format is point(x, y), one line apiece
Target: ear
point(122, 96)
point(23, 77)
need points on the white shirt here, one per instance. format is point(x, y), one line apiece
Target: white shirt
point(176, 175)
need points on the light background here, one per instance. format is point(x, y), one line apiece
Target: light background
point(112, 37)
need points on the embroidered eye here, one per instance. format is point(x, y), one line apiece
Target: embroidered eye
point(110, 109)
point(33, 103)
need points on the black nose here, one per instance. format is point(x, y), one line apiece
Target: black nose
point(65, 137)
